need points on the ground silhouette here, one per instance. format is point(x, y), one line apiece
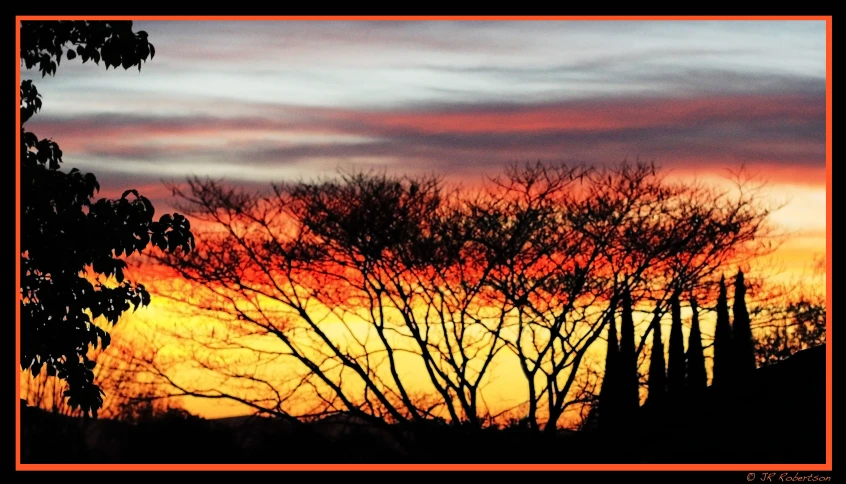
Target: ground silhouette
point(778, 416)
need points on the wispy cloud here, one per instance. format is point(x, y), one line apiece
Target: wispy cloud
point(255, 101)
point(775, 129)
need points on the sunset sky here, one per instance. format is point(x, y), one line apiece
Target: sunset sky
point(256, 101)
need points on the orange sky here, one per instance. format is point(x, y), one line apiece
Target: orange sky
point(802, 217)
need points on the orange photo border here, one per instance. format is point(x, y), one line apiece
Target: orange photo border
point(541, 467)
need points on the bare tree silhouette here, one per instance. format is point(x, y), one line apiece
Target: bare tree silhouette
point(355, 284)
point(789, 317)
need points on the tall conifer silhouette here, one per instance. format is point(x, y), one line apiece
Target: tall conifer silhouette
point(697, 378)
point(676, 364)
point(609, 393)
point(722, 339)
point(629, 378)
point(657, 366)
point(742, 344)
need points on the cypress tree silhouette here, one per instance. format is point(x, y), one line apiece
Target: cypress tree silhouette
point(742, 344)
point(697, 378)
point(722, 339)
point(657, 367)
point(629, 378)
point(609, 395)
point(676, 364)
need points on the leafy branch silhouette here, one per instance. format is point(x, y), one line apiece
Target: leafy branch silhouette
point(71, 245)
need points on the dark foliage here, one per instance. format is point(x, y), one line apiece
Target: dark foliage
point(44, 43)
point(71, 245)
